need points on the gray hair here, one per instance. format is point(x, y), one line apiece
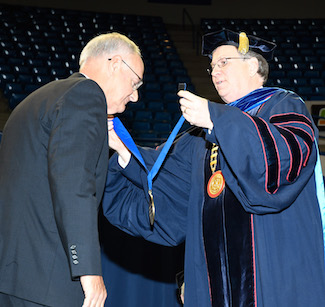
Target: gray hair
point(109, 43)
point(263, 65)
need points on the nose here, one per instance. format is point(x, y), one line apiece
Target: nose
point(216, 70)
point(134, 96)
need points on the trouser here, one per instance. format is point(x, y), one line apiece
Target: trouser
point(12, 301)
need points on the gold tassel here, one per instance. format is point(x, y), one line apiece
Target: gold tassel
point(243, 43)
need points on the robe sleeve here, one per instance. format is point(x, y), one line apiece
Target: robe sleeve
point(126, 201)
point(267, 158)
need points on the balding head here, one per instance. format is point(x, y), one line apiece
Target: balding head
point(108, 44)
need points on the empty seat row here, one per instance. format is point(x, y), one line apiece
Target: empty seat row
point(38, 45)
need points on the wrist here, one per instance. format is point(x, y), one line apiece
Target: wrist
point(210, 125)
point(123, 160)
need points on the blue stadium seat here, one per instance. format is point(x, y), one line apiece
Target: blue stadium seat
point(176, 64)
point(171, 97)
point(54, 63)
point(5, 68)
point(284, 83)
point(155, 106)
point(43, 79)
point(15, 99)
point(6, 78)
point(11, 88)
point(300, 81)
point(163, 116)
point(40, 70)
point(166, 78)
point(22, 70)
point(152, 86)
point(25, 78)
point(294, 74)
point(141, 126)
point(311, 74)
point(135, 106)
point(173, 107)
point(152, 96)
point(316, 66)
point(317, 81)
point(320, 90)
point(179, 72)
point(305, 91)
point(29, 88)
point(320, 52)
point(149, 77)
point(59, 72)
point(186, 79)
point(160, 127)
point(147, 136)
point(160, 63)
point(169, 87)
point(161, 70)
point(15, 61)
point(311, 58)
point(143, 115)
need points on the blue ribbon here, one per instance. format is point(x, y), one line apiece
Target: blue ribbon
point(245, 103)
point(164, 151)
point(124, 135)
point(126, 138)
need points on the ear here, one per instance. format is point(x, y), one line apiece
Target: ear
point(253, 66)
point(115, 62)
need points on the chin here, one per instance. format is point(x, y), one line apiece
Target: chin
point(112, 111)
point(226, 99)
point(121, 110)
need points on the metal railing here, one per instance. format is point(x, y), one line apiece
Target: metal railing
point(196, 36)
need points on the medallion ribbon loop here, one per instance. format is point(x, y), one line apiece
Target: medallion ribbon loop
point(126, 138)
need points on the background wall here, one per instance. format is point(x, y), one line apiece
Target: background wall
point(172, 13)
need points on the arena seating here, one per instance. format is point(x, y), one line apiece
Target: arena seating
point(39, 45)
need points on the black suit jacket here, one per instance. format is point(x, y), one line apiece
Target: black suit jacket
point(53, 164)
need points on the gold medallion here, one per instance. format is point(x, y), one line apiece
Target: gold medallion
point(152, 209)
point(216, 184)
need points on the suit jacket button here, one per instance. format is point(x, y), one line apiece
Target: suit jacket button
point(73, 246)
point(75, 261)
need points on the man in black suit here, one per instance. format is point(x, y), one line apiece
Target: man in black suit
point(53, 164)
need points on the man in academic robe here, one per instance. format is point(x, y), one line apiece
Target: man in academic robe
point(243, 188)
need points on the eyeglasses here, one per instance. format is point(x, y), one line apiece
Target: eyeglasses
point(223, 62)
point(135, 86)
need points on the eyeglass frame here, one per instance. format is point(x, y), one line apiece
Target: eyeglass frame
point(135, 86)
point(210, 70)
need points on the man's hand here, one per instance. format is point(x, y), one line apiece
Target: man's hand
point(116, 144)
point(195, 109)
point(94, 290)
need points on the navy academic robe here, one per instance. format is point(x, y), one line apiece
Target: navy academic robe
point(138, 273)
point(268, 163)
